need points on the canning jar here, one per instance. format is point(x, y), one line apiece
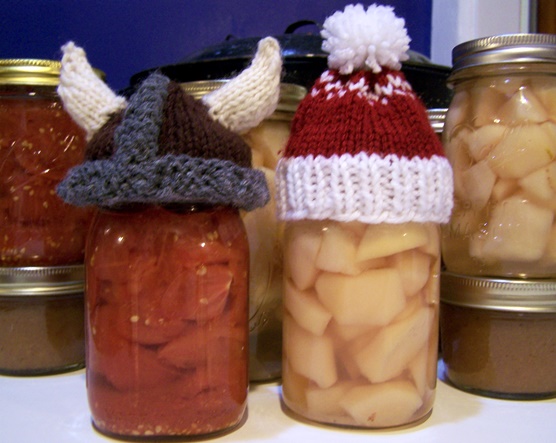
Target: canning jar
point(41, 320)
point(500, 137)
point(499, 336)
point(39, 143)
point(265, 233)
point(361, 321)
point(166, 307)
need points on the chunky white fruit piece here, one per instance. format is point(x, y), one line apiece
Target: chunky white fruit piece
point(338, 249)
point(541, 185)
point(477, 183)
point(306, 309)
point(348, 333)
point(545, 89)
point(525, 149)
point(386, 239)
point(418, 370)
point(518, 230)
point(522, 107)
point(414, 269)
point(309, 355)
point(481, 141)
point(390, 352)
point(486, 102)
point(504, 188)
point(326, 402)
point(294, 385)
point(382, 405)
point(459, 109)
point(373, 297)
point(432, 247)
point(302, 244)
point(459, 157)
point(257, 158)
point(268, 138)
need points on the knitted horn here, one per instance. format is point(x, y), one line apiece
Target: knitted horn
point(252, 96)
point(88, 100)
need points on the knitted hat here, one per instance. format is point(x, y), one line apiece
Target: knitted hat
point(164, 147)
point(361, 146)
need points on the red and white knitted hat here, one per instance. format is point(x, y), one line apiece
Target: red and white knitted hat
point(361, 145)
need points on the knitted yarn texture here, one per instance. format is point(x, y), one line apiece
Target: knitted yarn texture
point(358, 38)
point(231, 103)
point(88, 100)
point(141, 169)
point(361, 146)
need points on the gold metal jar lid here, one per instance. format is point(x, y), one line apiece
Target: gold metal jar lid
point(42, 281)
point(527, 296)
point(505, 48)
point(290, 94)
point(32, 72)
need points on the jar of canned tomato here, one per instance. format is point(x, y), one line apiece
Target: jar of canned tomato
point(39, 143)
point(167, 320)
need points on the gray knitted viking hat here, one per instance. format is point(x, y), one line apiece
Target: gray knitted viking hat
point(165, 147)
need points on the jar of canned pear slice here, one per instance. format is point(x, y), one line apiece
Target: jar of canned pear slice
point(500, 137)
point(264, 233)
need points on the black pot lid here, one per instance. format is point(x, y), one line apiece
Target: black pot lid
point(304, 62)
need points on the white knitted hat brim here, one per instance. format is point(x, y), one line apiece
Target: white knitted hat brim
point(367, 188)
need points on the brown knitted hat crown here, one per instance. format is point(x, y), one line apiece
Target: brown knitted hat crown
point(186, 129)
point(165, 148)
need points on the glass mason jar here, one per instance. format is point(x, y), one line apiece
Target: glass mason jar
point(265, 234)
point(41, 320)
point(499, 336)
point(500, 137)
point(166, 306)
point(361, 321)
point(39, 142)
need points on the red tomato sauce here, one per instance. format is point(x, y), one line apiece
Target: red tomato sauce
point(39, 143)
point(167, 312)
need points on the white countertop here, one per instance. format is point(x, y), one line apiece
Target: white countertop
point(53, 409)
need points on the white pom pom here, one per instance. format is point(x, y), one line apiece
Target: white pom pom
point(357, 39)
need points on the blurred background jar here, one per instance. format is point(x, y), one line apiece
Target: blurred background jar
point(499, 336)
point(41, 320)
point(264, 233)
point(39, 142)
point(500, 137)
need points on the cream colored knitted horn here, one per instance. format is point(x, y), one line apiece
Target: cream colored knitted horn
point(252, 96)
point(88, 100)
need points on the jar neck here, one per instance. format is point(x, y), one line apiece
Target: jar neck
point(500, 69)
point(28, 92)
point(177, 208)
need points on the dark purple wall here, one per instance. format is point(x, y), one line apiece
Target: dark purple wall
point(123, 37)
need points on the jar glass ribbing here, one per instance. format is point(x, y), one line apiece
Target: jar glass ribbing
point(360, 322)
point(167, 309)
point(39, 143)
point(500, 137)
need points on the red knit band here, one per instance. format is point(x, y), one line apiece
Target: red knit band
point(363, 112)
